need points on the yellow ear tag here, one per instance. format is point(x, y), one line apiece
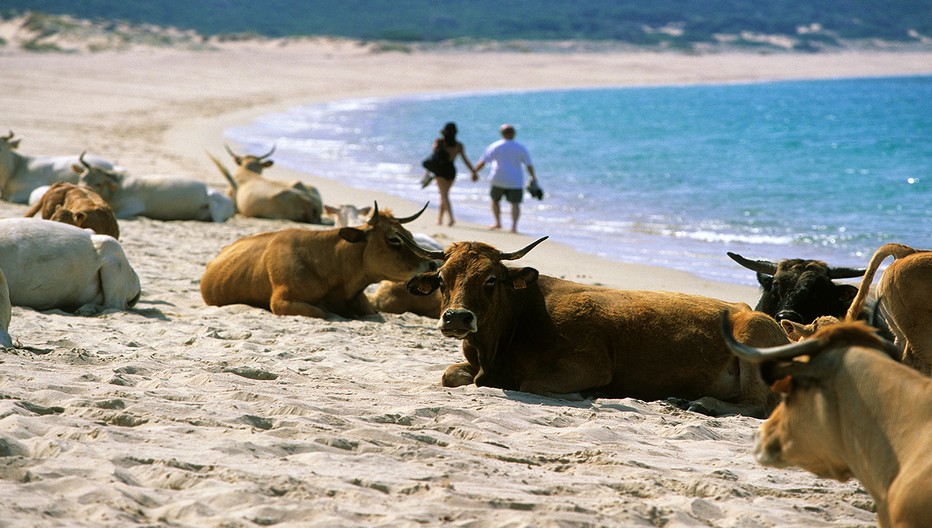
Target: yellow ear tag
point(519, 284)
point(423, 288)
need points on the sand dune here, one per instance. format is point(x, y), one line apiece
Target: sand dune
point(179, 414)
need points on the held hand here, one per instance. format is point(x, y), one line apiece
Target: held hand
point(475, 176)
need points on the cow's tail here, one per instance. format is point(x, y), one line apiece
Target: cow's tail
point(896, 251)
point(33, 209)
point(224, 171)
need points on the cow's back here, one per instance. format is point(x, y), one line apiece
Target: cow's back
point(656, 343)
point(162, 198)
point(48, 264)
point(238, 274)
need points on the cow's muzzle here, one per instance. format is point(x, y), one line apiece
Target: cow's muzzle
point(789, 315)
point(457, 323)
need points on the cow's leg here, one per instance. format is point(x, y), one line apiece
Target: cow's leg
point(565, 377)
point(360, 305)
point(280, 304)
point(460, 374)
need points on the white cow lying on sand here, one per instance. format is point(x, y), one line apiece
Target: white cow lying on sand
point(54, 265)
point(156, 196)
point(6, 312)
point(21, 174)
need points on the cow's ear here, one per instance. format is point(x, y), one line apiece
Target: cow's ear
point(424, 283)
point(351, 234)
point(267, 164)
point(15, 144)
point(765, 281)
point(77, 169)
point(521, 277)
point(846, 293)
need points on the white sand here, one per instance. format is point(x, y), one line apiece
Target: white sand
point(179, 414)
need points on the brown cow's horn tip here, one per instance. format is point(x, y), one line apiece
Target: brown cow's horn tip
point(374, 219)
point(413, 217)
point(515, 255)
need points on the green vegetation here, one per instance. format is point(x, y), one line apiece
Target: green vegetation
point(674, 23)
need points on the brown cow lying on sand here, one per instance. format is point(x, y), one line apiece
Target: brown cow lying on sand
point(79, 206)
point(308, 272)
point(849, 410)
point(905, 297)
point(544, 335)
point(259, 197)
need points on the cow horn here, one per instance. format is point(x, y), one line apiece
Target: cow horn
point(425, 254)
point(81, 159)
point(515, 255)
point(760, 266)
point(413, 217)
point(374, 218)
point(845, 273)
point(9, 136)
point(763, 355)
point(230, 151)
point(262, 157)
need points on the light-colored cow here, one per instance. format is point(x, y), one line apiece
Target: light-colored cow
point(850, 410)
point(77, 205)
point(21, 174)
point(257, 196)
point(156, 196)
point(53, 265)
point(6, 312)
point(347, 215)
point(525, 331)
point(311, 272)
point(905, 297)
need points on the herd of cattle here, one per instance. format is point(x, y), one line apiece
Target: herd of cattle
point(842, 399)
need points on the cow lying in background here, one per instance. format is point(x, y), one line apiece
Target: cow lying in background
point(53, 265)
point(530, 332)
point(21, 174)
point(394, 297)
point(905, 297)
point(312, 273)
point(77, 205)
point(347, 215)
point(6, 312)
point(850, 411)
point(801, 290)
point(158, 197)
point(257, 196)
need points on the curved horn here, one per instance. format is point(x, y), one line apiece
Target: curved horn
point(515, 255)
point(81, 159)
point(760, 266)
point(9, 136)
point(845, 273)
point(762, 355)
point(425, 254)
point(413, 217)
point(262, 157)
point(230, 151)
point(374, 219)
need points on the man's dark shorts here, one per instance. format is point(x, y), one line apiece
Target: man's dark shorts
point(512, 195)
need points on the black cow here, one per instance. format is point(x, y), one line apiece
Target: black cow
point(800, 290)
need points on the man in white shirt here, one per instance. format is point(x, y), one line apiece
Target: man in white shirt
point(506, 157)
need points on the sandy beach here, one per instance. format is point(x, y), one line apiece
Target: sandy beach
point(179, 414)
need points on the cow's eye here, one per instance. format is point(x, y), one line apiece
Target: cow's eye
point(394, 241)
point(490, 282)
point(440, 284)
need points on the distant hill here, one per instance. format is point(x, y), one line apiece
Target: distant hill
point(680, 24)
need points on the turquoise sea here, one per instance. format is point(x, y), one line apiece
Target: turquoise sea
point(672, 176)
